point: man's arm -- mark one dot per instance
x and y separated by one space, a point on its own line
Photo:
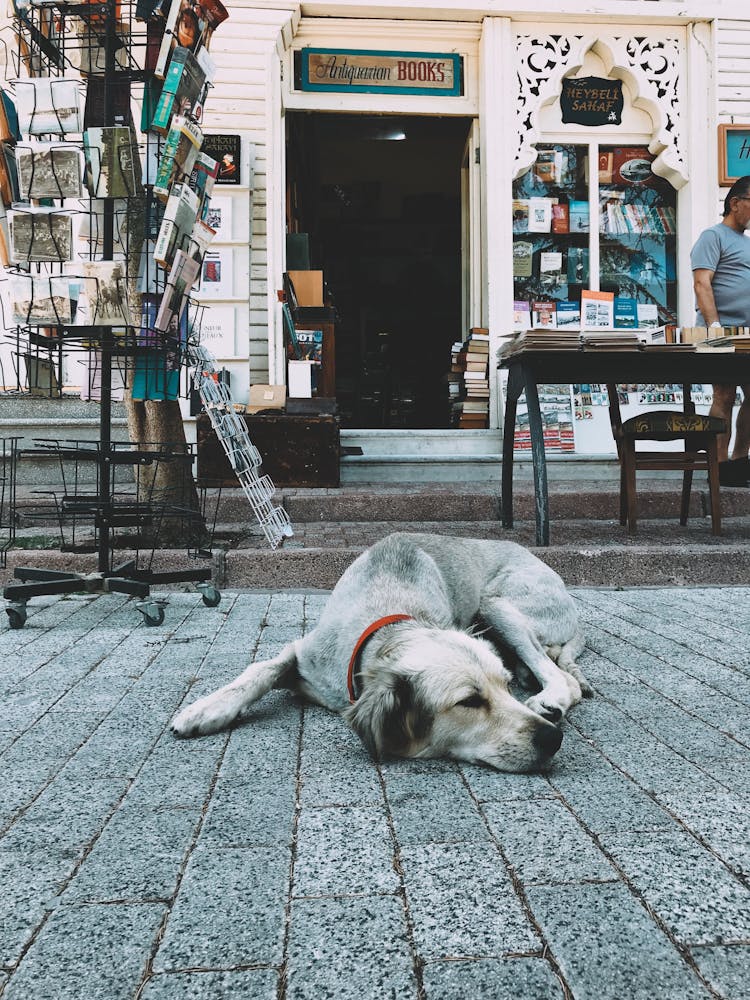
704 295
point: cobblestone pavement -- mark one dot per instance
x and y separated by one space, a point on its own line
279 862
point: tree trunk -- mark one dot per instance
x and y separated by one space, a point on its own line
153 424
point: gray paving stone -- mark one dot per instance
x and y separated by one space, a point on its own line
611 803
171 777
104 947
68 815
607 947
492 979
433 809
229 910
544 843
688 888
30 881
721 818
349 949
489 785
253 984
250 811
343 851
725 968
463 903
138 856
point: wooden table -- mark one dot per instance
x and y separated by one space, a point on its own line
527 369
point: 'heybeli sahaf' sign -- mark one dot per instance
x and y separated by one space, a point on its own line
360 71
591 100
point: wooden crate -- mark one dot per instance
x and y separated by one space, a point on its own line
296 450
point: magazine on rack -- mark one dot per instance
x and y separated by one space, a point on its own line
183 88
181 279
180 152
189 25
50 170
176 226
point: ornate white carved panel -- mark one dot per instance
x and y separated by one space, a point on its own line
653 68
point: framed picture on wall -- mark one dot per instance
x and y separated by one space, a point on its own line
734 153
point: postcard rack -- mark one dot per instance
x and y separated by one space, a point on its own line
118 501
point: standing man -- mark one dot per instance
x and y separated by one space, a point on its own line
721 278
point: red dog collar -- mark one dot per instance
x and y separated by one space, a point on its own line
387 620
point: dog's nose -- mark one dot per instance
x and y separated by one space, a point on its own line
547 738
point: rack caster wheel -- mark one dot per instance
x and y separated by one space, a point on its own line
152 611
210 595
16 615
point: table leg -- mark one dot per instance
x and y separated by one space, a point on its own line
514 389
536 432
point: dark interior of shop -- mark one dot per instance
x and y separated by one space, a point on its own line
380 199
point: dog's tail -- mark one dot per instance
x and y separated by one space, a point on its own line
567 661
218 710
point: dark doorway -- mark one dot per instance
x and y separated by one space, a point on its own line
379 197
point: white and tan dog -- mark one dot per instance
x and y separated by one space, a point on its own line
418 684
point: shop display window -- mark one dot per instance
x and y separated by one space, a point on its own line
610 231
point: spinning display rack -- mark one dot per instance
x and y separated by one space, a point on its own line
118 500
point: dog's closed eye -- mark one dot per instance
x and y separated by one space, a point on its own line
473 701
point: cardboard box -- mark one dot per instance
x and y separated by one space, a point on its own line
308 287
266 397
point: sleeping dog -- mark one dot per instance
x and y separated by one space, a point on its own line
397 652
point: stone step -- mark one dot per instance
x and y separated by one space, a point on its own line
585 553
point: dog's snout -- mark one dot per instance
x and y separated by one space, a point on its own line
547 738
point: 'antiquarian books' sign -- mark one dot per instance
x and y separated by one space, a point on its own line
591 100
361 71
734 153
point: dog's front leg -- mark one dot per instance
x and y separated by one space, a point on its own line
560 690
218 710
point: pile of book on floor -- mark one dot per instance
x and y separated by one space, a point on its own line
471 403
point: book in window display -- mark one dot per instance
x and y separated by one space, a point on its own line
50 170
39 233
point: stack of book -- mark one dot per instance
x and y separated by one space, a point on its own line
472 407
541 340
610 340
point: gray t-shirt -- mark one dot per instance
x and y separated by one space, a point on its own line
727 253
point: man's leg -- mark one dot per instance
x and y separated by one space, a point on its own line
742 427
724 396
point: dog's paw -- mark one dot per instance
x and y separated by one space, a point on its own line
207 715
554 701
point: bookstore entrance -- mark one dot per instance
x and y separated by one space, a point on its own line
374 202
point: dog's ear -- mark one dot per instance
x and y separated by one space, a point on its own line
389 717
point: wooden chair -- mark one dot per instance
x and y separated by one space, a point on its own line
699 453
